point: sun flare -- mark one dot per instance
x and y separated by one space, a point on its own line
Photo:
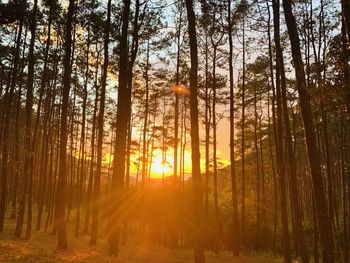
160 168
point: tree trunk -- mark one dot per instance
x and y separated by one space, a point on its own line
207 129
29 159
324 220
235 219
145 121
6 126
257 170
176 107
92 161
295 202
21 191
44 83
279 145
196 173
82 159
97 178
215 162
61 180
345 5
242 227
121 134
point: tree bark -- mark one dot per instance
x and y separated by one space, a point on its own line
29 149
44 83
279 145
345 5
324 220
235 219
93 147
22 189
121 134
145 121
61 180
196 173
243 186
6 126
295 202
100 122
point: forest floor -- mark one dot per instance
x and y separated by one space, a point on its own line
41 248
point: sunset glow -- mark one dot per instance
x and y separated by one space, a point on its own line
162 166
181 90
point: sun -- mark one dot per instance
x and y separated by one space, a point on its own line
160 167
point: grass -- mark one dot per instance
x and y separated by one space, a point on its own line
42 248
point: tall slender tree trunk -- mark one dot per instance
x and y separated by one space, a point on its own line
235 219
134 50
29 159
145 121
272 86
324 220
93 147
121 134
100 122
17 168
42 91
61 180
345 4
176 108
44 165
128 150
207 129
22 192
262 180
81 170
184 140
177 182
71 166
242 226
215 161
280 140
6 126
295 202
196 173
44 84
257 170
345 191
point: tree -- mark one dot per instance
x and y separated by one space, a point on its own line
121 133
279 146
28 176
324 220
235 219
6 120
346 16
197 184
145 120
281 87
97 178
61 181
243 145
